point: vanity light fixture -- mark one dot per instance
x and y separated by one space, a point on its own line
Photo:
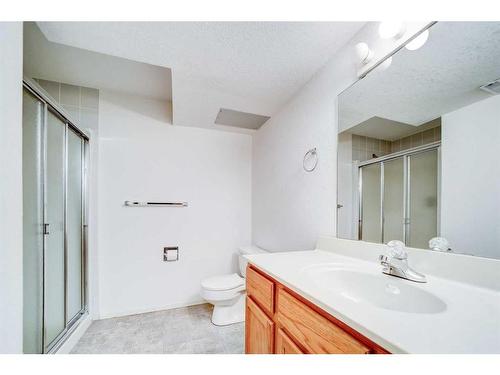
391 29
418 42
364 53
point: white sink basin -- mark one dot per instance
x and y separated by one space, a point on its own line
375 288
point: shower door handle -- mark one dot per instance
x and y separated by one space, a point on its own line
46 228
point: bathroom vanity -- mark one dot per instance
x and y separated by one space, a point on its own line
336 299
280 321
404 176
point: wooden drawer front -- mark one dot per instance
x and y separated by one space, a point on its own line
259 330
313 331
261 289
285 345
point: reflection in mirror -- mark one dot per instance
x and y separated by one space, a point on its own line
417 145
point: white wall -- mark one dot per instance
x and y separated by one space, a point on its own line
143 157
291 207
470 201
11 189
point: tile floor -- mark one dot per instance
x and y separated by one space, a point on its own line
186 330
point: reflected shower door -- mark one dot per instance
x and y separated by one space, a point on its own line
394 200
371 203
54 234
423 198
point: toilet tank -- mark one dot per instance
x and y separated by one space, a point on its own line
246 250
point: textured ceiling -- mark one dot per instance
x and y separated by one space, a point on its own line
57 62
382 128
442 76
248 66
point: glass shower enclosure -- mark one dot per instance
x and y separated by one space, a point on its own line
54 222
399 197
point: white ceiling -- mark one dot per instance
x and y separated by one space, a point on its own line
382 128
252 67
442 76
57 62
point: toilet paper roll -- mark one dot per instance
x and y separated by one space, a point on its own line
171 255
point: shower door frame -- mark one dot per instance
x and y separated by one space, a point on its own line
70 323
405 155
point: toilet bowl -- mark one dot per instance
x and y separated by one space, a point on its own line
227 292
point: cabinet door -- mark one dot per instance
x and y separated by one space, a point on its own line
259 335
261 290
285 345
315 333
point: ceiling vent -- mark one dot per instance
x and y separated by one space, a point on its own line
239 119
492 87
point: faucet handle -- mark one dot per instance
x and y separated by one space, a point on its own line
396 250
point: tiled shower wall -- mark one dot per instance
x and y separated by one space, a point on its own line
363 148
418 139
81 103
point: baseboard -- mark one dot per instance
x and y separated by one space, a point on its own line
118 314
68 345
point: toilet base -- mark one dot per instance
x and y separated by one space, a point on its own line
224 315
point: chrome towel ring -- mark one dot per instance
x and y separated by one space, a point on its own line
310 160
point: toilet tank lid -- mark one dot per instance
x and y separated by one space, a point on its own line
251 249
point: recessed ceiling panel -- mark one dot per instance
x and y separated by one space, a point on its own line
239 119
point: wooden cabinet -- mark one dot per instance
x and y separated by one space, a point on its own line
261 290
259 330
315 332
285 345
280 321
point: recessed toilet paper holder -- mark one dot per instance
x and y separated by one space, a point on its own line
171 253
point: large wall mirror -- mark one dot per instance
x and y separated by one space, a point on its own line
419 144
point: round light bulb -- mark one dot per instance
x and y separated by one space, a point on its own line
388 30
364 53
418 42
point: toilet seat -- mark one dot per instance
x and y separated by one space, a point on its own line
223 290
223 282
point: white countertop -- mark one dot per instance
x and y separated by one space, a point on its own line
469 324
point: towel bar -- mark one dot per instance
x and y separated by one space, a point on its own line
155 204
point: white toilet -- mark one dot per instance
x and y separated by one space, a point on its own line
227 292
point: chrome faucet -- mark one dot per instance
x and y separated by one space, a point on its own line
396 264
